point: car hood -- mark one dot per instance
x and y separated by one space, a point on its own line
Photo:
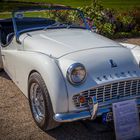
102 62
60 42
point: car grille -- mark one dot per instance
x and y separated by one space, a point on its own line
109 92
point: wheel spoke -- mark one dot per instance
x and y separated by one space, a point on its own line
37 102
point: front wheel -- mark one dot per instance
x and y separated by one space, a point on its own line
40 103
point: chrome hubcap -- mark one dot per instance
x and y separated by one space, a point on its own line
37 102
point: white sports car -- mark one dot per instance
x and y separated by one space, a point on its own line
66 71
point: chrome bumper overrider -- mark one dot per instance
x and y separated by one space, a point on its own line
91 113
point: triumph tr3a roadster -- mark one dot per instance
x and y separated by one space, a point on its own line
67 71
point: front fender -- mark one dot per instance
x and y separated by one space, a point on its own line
135 49
50 72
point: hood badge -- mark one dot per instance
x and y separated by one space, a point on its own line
113 64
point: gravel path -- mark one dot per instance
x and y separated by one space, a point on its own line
16 121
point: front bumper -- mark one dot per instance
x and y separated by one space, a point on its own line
91 113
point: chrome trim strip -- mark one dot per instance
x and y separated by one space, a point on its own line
86 114
69 117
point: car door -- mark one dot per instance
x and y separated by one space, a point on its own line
8 57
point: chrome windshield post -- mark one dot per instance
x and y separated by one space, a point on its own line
15 28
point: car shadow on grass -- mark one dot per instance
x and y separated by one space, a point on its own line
82 130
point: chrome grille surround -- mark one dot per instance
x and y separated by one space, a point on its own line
109 92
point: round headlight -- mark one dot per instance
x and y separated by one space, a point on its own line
76 74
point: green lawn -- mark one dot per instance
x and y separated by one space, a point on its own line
116 4
121 5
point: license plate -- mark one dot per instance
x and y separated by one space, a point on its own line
107 117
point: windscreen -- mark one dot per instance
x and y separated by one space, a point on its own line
46 19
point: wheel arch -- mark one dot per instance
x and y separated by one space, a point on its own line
53 94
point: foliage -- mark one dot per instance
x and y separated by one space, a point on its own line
108 29
109 22
135 13
125 22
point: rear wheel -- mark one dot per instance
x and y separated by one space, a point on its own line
40 103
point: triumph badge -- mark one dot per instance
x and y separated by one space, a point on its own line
113 64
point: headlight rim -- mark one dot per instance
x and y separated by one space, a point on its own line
69 71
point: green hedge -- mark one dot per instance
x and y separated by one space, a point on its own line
112 23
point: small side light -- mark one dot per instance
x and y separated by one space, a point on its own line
82 99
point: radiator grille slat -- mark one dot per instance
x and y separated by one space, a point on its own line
108 92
